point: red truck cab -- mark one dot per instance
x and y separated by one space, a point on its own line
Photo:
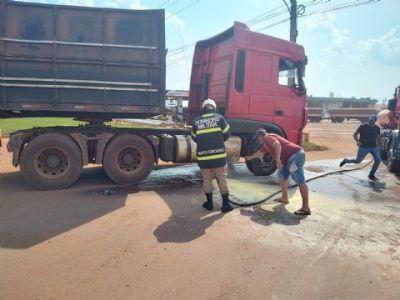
389 121
395 114
256 80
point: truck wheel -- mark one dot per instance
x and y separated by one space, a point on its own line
128 159
383 154
264 167
51 162
394 166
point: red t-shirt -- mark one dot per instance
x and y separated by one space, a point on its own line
288 148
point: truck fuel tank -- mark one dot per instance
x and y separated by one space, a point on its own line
383 118
185 149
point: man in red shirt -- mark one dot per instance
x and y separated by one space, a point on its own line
290 159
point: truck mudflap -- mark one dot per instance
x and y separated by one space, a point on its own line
390 144
394 150
16 143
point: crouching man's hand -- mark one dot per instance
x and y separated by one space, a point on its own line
258 154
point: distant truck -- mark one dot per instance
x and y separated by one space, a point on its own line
314 114
338 115
389 121
96 64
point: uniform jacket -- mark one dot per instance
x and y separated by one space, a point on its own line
210 131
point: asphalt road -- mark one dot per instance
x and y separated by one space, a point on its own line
154 241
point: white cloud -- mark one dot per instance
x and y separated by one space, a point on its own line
339 40
384 50
323 25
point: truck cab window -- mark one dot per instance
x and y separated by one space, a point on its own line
290 73
240 68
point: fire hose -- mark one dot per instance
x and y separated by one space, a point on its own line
296 185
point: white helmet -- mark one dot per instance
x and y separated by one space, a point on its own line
210 102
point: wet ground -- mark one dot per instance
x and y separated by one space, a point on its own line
153 240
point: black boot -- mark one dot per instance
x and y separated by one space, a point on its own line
226 207
209 204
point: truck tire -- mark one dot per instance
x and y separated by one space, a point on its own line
128 159
393 165
264 167
51 162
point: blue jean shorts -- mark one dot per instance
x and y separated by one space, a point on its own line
294 168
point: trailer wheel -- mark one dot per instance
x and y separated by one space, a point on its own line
262 167
51 162
393 165
128 159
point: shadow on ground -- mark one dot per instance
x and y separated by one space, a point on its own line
278 215
29 217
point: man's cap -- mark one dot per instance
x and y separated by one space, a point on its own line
209 102
373 118
261 132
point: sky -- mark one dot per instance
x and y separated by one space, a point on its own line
353 52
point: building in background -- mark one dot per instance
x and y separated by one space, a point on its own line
177 101
329 103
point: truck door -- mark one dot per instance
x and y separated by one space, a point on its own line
262 99
290 98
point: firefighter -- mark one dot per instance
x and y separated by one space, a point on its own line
210 131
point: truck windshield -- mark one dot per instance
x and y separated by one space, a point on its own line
291 74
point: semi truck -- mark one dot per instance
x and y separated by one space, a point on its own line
314 114
338 115
389 121
96 64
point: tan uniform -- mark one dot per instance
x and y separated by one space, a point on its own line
216 173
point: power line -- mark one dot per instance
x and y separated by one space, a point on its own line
273 24
270 14
172 4
184 52
183 9
274 13
335 8
178 53
162 4
267 13
344 6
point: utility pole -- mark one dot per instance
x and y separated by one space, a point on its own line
293 21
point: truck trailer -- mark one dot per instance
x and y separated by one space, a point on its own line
389 121
96 64
338 115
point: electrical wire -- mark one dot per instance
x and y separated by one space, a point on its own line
183 9
172 4
344 6
162 4
335 8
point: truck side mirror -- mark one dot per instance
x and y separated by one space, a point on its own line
392 104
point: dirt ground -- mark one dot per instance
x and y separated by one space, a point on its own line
337 137
97 240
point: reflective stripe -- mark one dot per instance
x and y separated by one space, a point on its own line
192 133
209 130
207 115
216 156
226 129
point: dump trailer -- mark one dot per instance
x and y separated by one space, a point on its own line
389 121
96 64
314 114
338 115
